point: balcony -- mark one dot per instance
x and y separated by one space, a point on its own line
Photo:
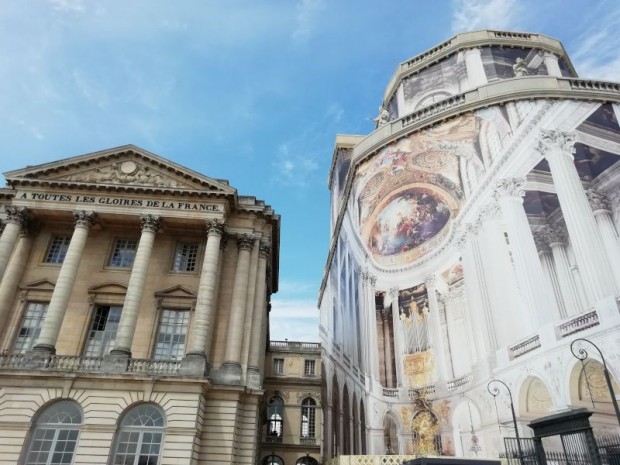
79 364
456 383
524 347
294 346
578 323
307 441
390 392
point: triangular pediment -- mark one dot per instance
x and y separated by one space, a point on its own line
108 288
39 285
176 291
128 167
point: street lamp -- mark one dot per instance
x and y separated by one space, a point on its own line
494 391
582 354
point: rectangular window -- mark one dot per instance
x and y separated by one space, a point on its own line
185 257
32 322
124 253
172 334
57 249
309 368
103 331
278 366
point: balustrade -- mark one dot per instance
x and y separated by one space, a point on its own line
578 323
523 347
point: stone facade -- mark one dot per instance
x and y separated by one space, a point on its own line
474 236
293 404
134 293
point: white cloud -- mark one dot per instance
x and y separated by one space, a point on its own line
294 169
306 19
294 319
596 53
68 6
471 15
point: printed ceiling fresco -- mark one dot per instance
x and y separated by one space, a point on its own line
408 194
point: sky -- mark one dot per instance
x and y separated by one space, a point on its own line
253 91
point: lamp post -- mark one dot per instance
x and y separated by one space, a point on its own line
582 354
494 391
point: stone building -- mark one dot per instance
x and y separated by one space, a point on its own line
134 308
293 417
474 235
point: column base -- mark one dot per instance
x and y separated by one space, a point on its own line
254 378
115 362
38 359
194 365
229 373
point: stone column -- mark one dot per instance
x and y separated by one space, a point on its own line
196 360
230 371
371 318
546 259
552 64
435 324
530 275
602 214
382 373
475 68
249 304
556 237
135 288
46 343
557 148
15 217
258 317
14 272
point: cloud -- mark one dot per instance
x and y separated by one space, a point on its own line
294 169
471 15
68 6
306 19
596 53
294 319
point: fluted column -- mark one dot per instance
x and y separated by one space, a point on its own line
556 237
64 283
14 272
249 304
530 275
258 317
135 288
371 319
388 346
602 214
557 148
15 217
475 68
380 348
546 259
435 323
196 360
231 368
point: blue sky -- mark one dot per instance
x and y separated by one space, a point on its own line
251 91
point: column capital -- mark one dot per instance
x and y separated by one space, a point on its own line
30 227
541 239
554 234
467 232
510 187
490 210
264 250
372 280
150 223
552 141
430 281
84 219
394 292
215 227
597 200
16 215
245 242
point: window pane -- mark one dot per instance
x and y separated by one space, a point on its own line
172 333
124 253
103 331
309 368
32 322
57 249
185 257
140 436
278 366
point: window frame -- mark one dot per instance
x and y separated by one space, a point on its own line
308 405
196 257
275 419
113 252
57 428
309 363
278 366
66 241
20 327
106 345
122 428
188 318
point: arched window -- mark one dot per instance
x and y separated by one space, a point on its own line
55 434
139 436
308 415
307 460
273 460
275 414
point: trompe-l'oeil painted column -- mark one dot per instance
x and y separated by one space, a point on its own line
15 218
135 288
435 323
602 214
196 361
557 148
64 283
230 371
